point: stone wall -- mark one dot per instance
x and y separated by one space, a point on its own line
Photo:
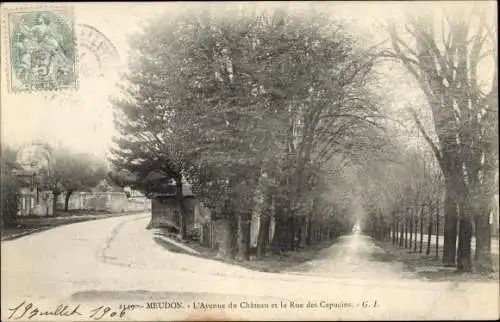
166 212
105 201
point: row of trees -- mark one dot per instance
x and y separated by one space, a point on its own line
70 172
410 212
447 55
255 109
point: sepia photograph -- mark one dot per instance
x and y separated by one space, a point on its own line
249 161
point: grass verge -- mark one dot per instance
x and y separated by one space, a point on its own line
429 267
271 263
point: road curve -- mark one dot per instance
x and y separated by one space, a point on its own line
116 261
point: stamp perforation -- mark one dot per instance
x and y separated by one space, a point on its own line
69 14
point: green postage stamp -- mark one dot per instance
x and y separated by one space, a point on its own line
41 48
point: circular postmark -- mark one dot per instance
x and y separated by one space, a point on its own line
43 50
97 58
98 55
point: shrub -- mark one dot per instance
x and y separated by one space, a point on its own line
9 197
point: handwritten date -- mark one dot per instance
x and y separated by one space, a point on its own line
30 311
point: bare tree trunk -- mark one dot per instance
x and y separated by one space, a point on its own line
279 238
182 207
394 232
411 231
243 236
401 233
494 225
300 233
464 262
483 242
416 232
406 231
224 237
437 229
398 226
421 230
309 231
263 238
429 231
55 195
66 199
450 227
291 233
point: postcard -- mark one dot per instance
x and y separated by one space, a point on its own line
190 161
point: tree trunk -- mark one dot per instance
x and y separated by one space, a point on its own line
464 261
66 199
398 226
182 207
309 232
416 232
411 232
55 195
438 208
450 228
429 232
483 242
421 230
243 236
233 224
299 232
263 238
291 233
279 233
406 232
224 237
494 225
394 232
401 234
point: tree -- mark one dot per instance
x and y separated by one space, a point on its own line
9 186
74 172
226 99
444 56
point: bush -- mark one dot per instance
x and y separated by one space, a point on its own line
9 197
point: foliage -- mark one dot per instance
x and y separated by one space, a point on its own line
74 172
77 171
9 186
226 99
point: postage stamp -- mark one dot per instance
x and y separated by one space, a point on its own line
41 48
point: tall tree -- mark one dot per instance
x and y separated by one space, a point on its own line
225 98
444 56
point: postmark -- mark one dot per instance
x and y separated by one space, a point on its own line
97 54
41 48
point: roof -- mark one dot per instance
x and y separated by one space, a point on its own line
155 175
163 185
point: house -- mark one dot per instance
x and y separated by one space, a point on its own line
166 208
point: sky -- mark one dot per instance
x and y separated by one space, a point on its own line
82 120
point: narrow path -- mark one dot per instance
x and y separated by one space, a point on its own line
356 256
